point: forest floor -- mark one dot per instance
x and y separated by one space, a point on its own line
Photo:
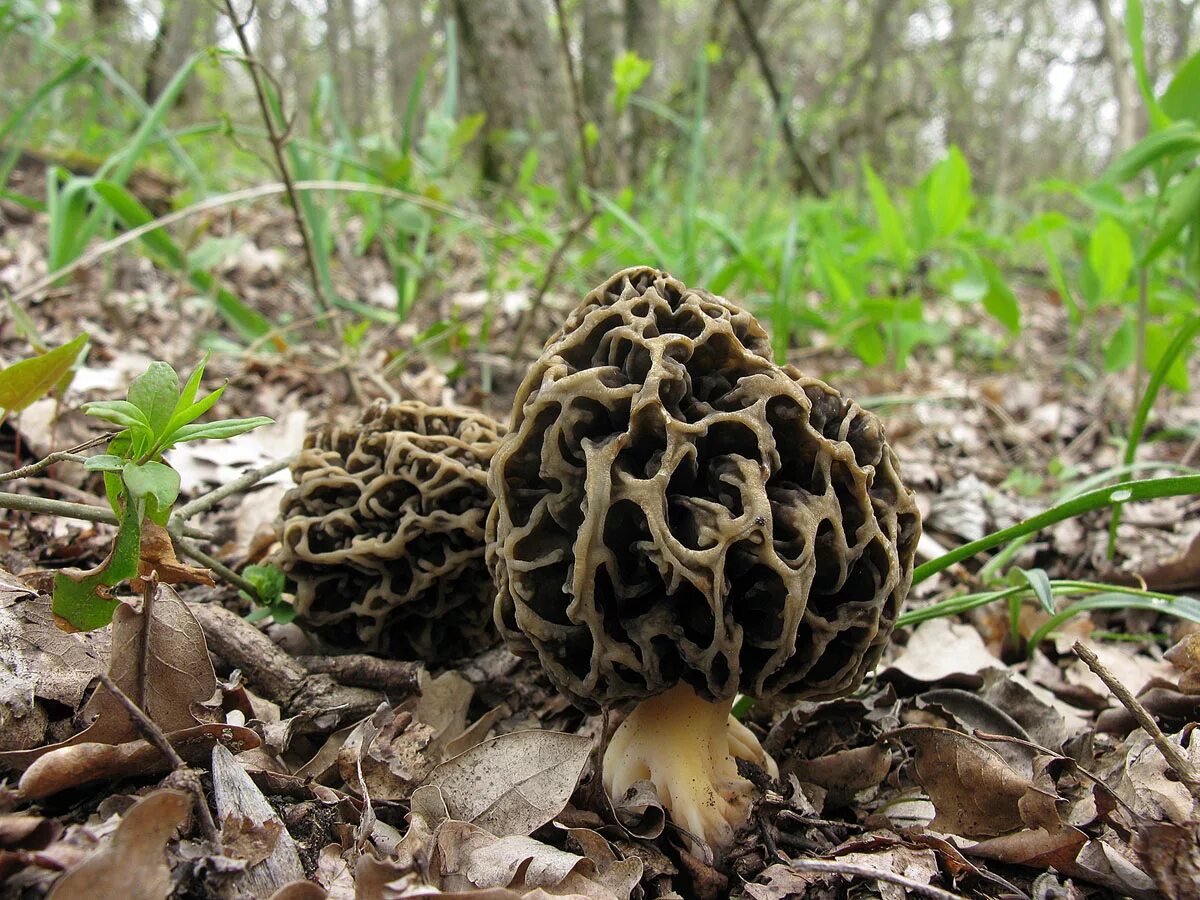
965 767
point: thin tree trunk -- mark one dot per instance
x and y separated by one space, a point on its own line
180 32
1183 14
1013 106
880 41
515 65
1122 78
643 35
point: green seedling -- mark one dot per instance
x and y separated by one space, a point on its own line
156 415
268 582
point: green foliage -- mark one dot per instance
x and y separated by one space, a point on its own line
629 72
268 584
29 380
157 414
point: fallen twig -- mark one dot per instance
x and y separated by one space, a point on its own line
149 730
1175 759
363 670
834 867
275 674
85 512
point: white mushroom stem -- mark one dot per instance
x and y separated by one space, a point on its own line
686 746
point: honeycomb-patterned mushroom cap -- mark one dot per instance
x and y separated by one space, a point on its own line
672 505
383 532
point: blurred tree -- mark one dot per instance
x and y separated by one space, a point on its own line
183 28
515 68
1122 77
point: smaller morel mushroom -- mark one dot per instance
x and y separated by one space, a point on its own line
678 519
383 532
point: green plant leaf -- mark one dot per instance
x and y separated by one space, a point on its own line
222 428
189 414
187 396
1122 346
1178 138
1110 254
1181 100
105 462
1134 22
248 323
1000 302
1183 208
1107 496
948 196
1039 582
29 380
155 392
1186 608
157 484
119 412
868 344
888 218
82 600
1158 344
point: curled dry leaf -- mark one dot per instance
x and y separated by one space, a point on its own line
68 767
158 557
783 883
975 792
133 864
244 838
514 783
639 811
1149 785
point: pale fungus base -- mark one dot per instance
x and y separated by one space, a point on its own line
687 747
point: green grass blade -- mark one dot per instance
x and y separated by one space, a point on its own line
248 323
1181 607
1137 427
1098 499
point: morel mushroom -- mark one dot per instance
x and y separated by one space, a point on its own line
383 533
678 519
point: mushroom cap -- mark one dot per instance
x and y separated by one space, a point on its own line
383 532
672 505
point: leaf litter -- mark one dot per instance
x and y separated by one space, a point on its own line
965 767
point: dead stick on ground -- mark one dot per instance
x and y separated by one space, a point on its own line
834 867
1170 751
274 673
363 670
149 730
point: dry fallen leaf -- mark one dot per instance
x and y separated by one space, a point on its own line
466 856
38 661
177 673
975 792
132 865
943 651
1170 854
66 767
158 557
515 783
1185 656
782 882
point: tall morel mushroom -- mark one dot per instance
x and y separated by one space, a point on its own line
383 533
678 519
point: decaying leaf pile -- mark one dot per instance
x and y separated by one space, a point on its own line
962 768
